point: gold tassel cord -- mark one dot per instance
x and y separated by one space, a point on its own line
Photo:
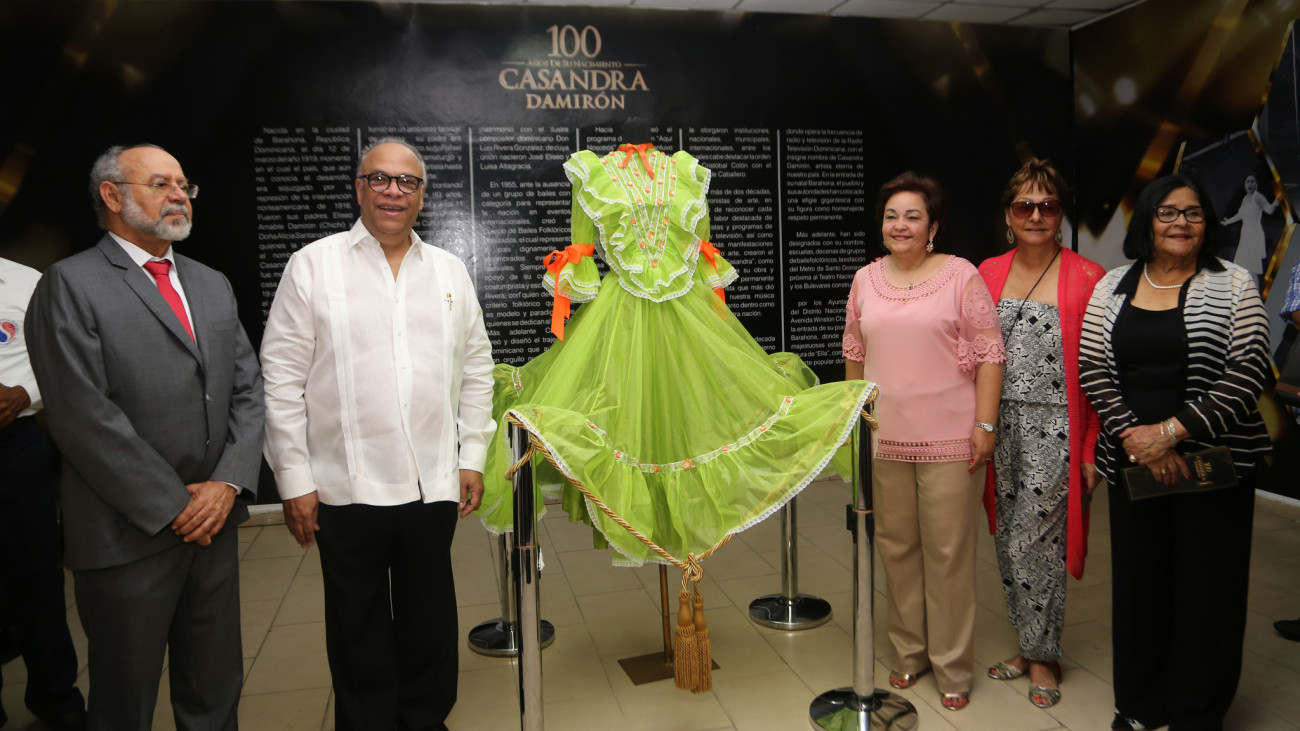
685 655
693 655
703 648
690 673
529 454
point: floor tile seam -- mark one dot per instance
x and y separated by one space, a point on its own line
245 693
325 713
279 608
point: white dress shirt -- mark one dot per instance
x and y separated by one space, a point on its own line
140 257
16 285
378 390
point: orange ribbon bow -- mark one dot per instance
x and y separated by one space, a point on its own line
641 150
710 252
555 263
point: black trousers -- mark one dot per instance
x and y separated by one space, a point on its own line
31 572
1180 571
390 614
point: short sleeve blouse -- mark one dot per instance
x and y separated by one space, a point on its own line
921 345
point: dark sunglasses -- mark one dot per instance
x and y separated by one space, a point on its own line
1049 208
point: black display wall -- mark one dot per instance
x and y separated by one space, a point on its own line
801 118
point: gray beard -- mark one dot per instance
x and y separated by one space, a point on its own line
134 217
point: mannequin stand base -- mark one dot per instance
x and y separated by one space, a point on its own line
844 710
498 638
790 614
644 669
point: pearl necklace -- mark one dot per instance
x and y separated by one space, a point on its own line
1159 286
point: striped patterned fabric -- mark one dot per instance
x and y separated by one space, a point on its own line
1228 364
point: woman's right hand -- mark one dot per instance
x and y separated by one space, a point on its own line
1168 467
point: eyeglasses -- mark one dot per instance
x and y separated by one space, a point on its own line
163 187
1049 208
379 182
1169 214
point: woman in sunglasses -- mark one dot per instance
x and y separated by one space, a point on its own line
1174 357
1042 473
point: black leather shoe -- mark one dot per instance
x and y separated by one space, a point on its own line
64 720
1125 723
1288 628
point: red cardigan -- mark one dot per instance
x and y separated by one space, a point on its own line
1074 288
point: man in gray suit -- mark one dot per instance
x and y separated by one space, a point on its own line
154 397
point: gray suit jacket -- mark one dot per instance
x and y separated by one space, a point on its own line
138 409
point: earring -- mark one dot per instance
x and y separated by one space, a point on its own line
1011 238
929 246
1059 237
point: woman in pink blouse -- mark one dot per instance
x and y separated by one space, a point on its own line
923 326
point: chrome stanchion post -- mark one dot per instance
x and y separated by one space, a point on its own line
500 637
789 610
524 564
862 707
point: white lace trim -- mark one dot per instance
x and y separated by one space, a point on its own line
869 394
610 244
576 292
692 462
720 281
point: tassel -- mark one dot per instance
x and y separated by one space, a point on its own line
704 649
685 652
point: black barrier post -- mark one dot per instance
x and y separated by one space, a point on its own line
862 707
524 564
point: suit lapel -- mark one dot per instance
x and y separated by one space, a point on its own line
139 282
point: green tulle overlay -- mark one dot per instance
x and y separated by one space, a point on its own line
671 417
657 408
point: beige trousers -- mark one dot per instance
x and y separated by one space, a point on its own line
926 521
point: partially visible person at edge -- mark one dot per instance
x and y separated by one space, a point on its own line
922 325
31 570
379 411
1042 474
1290 628
1174 357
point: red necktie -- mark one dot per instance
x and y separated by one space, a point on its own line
159 270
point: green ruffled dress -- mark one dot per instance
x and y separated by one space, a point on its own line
657 401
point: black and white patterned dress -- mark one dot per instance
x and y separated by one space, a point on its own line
1032 458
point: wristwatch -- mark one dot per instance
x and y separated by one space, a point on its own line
986 427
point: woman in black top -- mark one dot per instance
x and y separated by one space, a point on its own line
1174 356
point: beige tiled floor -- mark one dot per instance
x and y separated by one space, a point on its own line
767 678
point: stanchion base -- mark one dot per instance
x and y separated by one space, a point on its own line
650 668
497 638
789 614
844 710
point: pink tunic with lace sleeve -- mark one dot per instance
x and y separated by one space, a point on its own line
921 346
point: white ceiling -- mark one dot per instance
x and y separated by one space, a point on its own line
1057 13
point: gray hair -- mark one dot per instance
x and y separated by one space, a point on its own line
108 168
424 173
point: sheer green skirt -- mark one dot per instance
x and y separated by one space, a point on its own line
669 418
